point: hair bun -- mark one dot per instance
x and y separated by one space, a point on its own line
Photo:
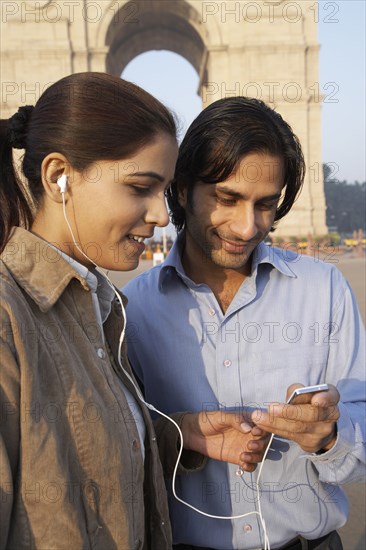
18 126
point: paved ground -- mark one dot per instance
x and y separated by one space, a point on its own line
354 269
354 532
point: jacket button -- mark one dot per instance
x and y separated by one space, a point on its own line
135 445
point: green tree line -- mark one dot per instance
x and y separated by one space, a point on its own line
346 203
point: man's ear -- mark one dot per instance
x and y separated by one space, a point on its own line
182 195
54 165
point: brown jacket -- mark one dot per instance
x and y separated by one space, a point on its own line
71 471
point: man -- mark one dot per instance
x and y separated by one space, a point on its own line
228 322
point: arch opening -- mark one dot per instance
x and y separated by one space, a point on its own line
156 72
157 25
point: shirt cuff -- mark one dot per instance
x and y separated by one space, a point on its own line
344 443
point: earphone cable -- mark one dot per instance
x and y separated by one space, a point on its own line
151 407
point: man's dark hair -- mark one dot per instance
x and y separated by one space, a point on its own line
221 136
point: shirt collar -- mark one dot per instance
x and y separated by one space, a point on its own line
38 268
173 262
263 254
278 258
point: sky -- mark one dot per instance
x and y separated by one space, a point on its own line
341 34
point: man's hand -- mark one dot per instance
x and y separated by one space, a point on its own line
310 420
225 436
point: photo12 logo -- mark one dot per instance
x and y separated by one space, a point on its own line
271 92
270 11
51 11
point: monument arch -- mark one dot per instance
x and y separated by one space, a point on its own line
155 26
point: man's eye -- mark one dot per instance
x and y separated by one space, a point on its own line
226 202
266 205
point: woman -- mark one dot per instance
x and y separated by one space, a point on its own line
79 463
74 445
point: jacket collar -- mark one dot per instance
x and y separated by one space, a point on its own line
38 268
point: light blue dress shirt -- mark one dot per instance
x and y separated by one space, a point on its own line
294 319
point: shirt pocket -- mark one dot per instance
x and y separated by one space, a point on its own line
276 370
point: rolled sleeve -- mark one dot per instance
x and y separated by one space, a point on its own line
169 442
346 456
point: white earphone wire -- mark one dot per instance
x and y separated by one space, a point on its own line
151 407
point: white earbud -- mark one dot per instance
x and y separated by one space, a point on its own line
62 183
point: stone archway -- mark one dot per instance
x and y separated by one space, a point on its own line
156 26
266 49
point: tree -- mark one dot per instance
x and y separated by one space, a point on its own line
346 203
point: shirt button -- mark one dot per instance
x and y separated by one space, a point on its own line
227 363
211 312
135 445
247 528
101 353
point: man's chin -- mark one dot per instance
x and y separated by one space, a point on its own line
228 260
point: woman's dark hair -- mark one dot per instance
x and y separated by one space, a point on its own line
87 117
221 136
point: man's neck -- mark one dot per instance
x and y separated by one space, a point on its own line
223 282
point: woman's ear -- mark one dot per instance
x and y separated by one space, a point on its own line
54 166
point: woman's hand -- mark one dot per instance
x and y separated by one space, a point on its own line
225 436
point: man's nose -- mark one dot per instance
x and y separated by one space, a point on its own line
243 224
